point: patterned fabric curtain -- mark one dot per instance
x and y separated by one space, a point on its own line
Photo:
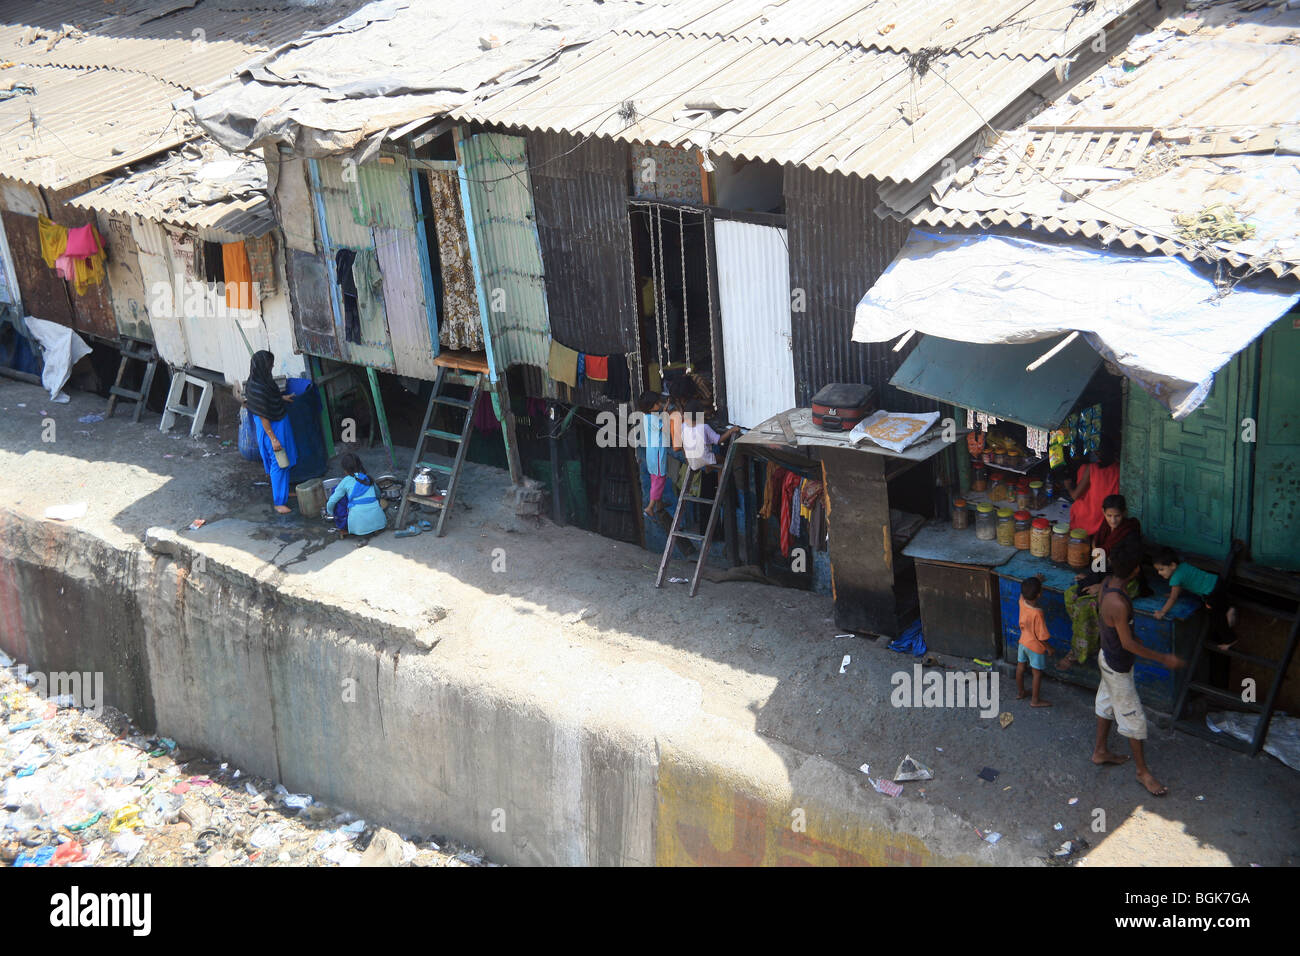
462 327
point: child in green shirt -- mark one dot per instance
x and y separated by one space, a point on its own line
1183 576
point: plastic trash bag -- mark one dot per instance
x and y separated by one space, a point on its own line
912 641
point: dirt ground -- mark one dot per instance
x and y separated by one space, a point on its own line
759 657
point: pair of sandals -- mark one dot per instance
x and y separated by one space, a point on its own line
414 528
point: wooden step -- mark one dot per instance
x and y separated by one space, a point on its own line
1224 696
458 402
445 436
435 466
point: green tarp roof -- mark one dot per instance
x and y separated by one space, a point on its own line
992 378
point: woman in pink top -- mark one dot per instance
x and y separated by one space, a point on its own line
1095 483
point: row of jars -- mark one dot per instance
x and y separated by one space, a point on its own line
1025 494
1023 531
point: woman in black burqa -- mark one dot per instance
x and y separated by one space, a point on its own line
263 399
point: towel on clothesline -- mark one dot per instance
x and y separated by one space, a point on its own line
562 366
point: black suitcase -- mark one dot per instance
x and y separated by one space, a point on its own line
840 406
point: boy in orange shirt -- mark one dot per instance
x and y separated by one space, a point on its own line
1034 649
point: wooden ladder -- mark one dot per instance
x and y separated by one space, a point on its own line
182 381
1279 667
133 350
701 541
458 374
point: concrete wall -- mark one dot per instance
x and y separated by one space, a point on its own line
364 715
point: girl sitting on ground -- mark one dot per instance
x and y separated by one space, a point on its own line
355 502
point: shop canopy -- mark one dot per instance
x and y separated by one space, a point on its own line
992 378
1159 319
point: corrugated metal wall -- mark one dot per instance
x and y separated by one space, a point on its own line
509 254
838 249
195 328
582 224
754 293
125 283
93 309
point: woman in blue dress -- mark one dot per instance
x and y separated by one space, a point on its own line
355 502
263 398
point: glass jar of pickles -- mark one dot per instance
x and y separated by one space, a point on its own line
960 516
998 489
1006 527
1022 519
1077 550
1037 499
1040 538
985 522
1060 543
979 478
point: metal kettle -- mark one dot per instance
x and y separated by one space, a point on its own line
424 484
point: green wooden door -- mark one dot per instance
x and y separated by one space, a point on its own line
1276 516
1182 477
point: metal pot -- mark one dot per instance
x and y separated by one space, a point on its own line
423 485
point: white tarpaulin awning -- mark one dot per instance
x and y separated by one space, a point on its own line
1158 318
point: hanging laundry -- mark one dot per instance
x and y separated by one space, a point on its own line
795 511
598 368
619 384
343 260
239 277
208 261
261 264
89 271
789 483
485 416
65 267
562 366
771 490
54 239
582 368
83 241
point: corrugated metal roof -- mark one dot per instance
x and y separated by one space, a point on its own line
392 63
865 113
1007 28
1213 93
88 87
199 185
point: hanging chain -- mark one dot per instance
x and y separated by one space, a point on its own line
686 317
665 349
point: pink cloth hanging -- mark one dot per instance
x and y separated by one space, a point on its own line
82 242
66 268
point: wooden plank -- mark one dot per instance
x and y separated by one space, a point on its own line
858 515
468 361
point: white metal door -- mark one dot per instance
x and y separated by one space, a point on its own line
754 298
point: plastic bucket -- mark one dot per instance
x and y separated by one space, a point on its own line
311 497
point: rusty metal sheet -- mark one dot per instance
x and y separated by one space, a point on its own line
93 309
125 281
44 294
313 309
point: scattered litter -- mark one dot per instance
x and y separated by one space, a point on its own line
844 663
1005 719
865 768
843 635
1005 789
196 524
70 852
679 580
129 844
989 774
983 663
887 787
252 790
66 512
173 456
39 857
992 837
1073 801
911 641
1058 826
1200 797
265 837
91 419
940 749
126 818
910 769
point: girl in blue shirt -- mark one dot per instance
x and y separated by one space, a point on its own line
355 502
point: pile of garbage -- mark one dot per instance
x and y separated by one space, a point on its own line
78 789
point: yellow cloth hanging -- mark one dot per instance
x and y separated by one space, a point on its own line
89 271
54 239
